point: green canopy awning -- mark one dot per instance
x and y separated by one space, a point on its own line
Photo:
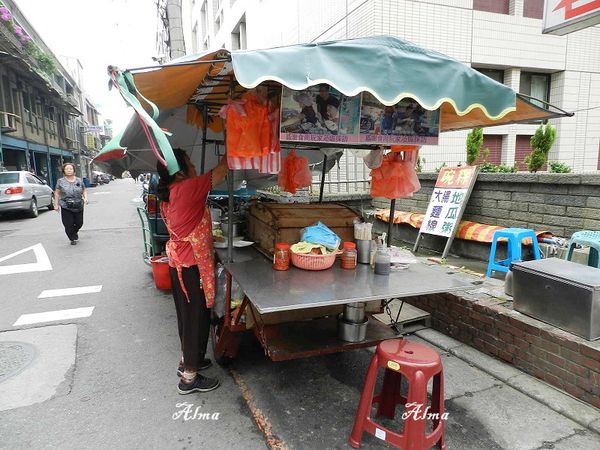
389 68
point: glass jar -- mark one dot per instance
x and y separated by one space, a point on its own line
281 257
382 261
349 255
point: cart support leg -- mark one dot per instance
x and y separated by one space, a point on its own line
204 125
323 172
391 222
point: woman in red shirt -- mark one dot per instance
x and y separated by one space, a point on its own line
183 207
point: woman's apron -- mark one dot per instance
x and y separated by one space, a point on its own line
202 246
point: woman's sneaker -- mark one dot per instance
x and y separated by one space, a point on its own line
200 384
205 364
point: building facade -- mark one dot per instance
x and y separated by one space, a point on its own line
42 104
500 38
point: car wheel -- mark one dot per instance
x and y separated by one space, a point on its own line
33 209
51 206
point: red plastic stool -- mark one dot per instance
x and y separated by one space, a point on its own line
417 363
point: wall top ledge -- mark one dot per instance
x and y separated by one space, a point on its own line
525 177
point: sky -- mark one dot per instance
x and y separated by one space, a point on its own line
99 33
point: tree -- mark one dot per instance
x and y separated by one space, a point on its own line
474 142
541 143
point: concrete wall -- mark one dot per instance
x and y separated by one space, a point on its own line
559 203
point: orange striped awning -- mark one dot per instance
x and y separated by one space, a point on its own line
470 231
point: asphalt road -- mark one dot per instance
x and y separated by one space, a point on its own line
120 390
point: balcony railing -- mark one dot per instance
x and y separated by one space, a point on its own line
8 122
51 128
70 134
72 101
10 37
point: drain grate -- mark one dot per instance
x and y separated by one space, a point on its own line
14 358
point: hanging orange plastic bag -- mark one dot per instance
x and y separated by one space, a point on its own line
248 127
395 178
294 173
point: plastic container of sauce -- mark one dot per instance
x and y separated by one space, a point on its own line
349 255
281 257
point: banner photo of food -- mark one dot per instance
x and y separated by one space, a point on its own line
321 114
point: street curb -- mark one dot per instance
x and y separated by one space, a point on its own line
561 402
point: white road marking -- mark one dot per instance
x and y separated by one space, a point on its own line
102 193
70 291
53 316
137 200
42 264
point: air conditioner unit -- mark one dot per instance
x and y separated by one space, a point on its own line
8 122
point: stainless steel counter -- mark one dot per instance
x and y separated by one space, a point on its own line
270 290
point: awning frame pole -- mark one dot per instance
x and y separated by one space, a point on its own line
230 203
323 173
204 123
391 222
191 63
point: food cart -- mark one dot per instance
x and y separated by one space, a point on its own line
294 313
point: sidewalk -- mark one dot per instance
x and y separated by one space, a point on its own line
310 403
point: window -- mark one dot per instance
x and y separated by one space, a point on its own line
534 9
494 6
27 108
523 148
218 22
204 20
493 143
7 105
32 180
494 74
536 85
9 178
195 38
238 35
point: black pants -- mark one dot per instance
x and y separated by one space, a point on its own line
72 220
193 318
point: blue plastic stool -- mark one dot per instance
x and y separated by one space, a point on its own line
592 240
515 237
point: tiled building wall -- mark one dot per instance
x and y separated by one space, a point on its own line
506 41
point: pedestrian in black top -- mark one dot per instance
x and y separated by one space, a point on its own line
69 197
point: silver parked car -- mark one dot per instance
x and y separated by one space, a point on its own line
24 191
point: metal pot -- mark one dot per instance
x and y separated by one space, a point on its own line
237 227
354 312
352 332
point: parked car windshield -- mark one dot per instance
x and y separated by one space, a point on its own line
7 178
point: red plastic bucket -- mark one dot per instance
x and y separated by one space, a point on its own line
160 272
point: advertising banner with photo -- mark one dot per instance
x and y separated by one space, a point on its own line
321 114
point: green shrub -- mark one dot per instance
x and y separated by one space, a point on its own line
541 143
558 167
487 167
474 141
420 163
